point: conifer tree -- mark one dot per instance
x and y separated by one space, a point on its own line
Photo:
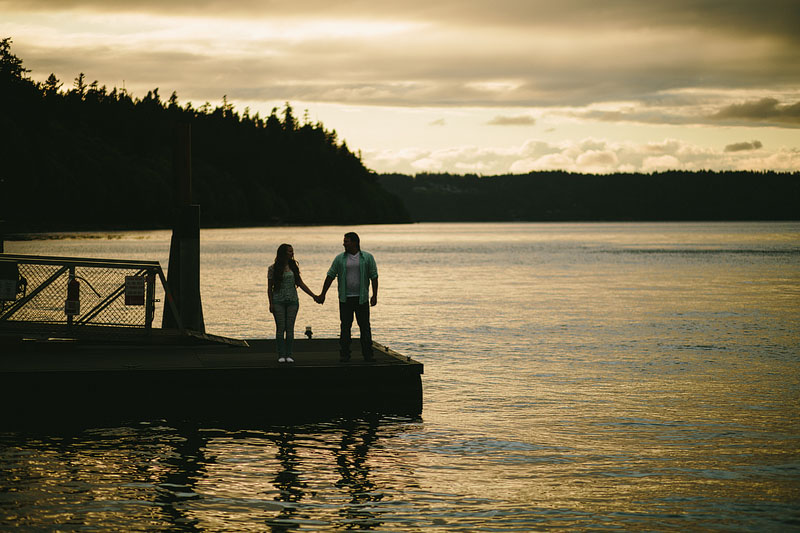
52 84
79 85
10 65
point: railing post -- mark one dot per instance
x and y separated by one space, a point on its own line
70 279
150 299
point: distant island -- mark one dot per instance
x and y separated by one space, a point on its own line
563 196
90 158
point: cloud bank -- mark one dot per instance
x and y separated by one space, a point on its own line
586 156
765 110
521 120
743 146
414 53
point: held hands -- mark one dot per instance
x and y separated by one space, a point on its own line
320 299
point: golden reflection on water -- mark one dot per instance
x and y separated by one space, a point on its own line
637 376
287 479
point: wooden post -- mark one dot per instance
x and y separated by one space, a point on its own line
150 299
189 303
183 276
182 164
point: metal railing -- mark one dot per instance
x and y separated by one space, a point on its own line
78 296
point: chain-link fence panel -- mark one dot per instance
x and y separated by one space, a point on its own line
76 293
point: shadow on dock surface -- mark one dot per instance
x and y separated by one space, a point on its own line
72 380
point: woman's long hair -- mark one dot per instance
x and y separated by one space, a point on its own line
282 260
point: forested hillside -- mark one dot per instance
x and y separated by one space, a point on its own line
90 157
544 196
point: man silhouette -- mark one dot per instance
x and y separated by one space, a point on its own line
355 270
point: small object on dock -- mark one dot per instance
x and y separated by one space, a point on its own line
308 332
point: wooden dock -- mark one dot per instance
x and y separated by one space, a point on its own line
69 354
209 380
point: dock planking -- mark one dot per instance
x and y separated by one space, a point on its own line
67 378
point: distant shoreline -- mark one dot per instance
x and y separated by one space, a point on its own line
114 234
558 196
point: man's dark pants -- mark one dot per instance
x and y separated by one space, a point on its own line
346 312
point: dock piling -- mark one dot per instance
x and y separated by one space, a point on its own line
183 276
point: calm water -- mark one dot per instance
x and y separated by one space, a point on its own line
577 376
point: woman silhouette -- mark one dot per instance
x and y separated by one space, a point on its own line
283 278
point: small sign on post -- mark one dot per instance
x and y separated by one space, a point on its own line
134 290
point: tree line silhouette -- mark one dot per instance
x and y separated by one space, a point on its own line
89 157
564 196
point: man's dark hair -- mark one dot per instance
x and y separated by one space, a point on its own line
353 236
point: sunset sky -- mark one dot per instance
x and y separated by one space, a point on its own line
464 86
